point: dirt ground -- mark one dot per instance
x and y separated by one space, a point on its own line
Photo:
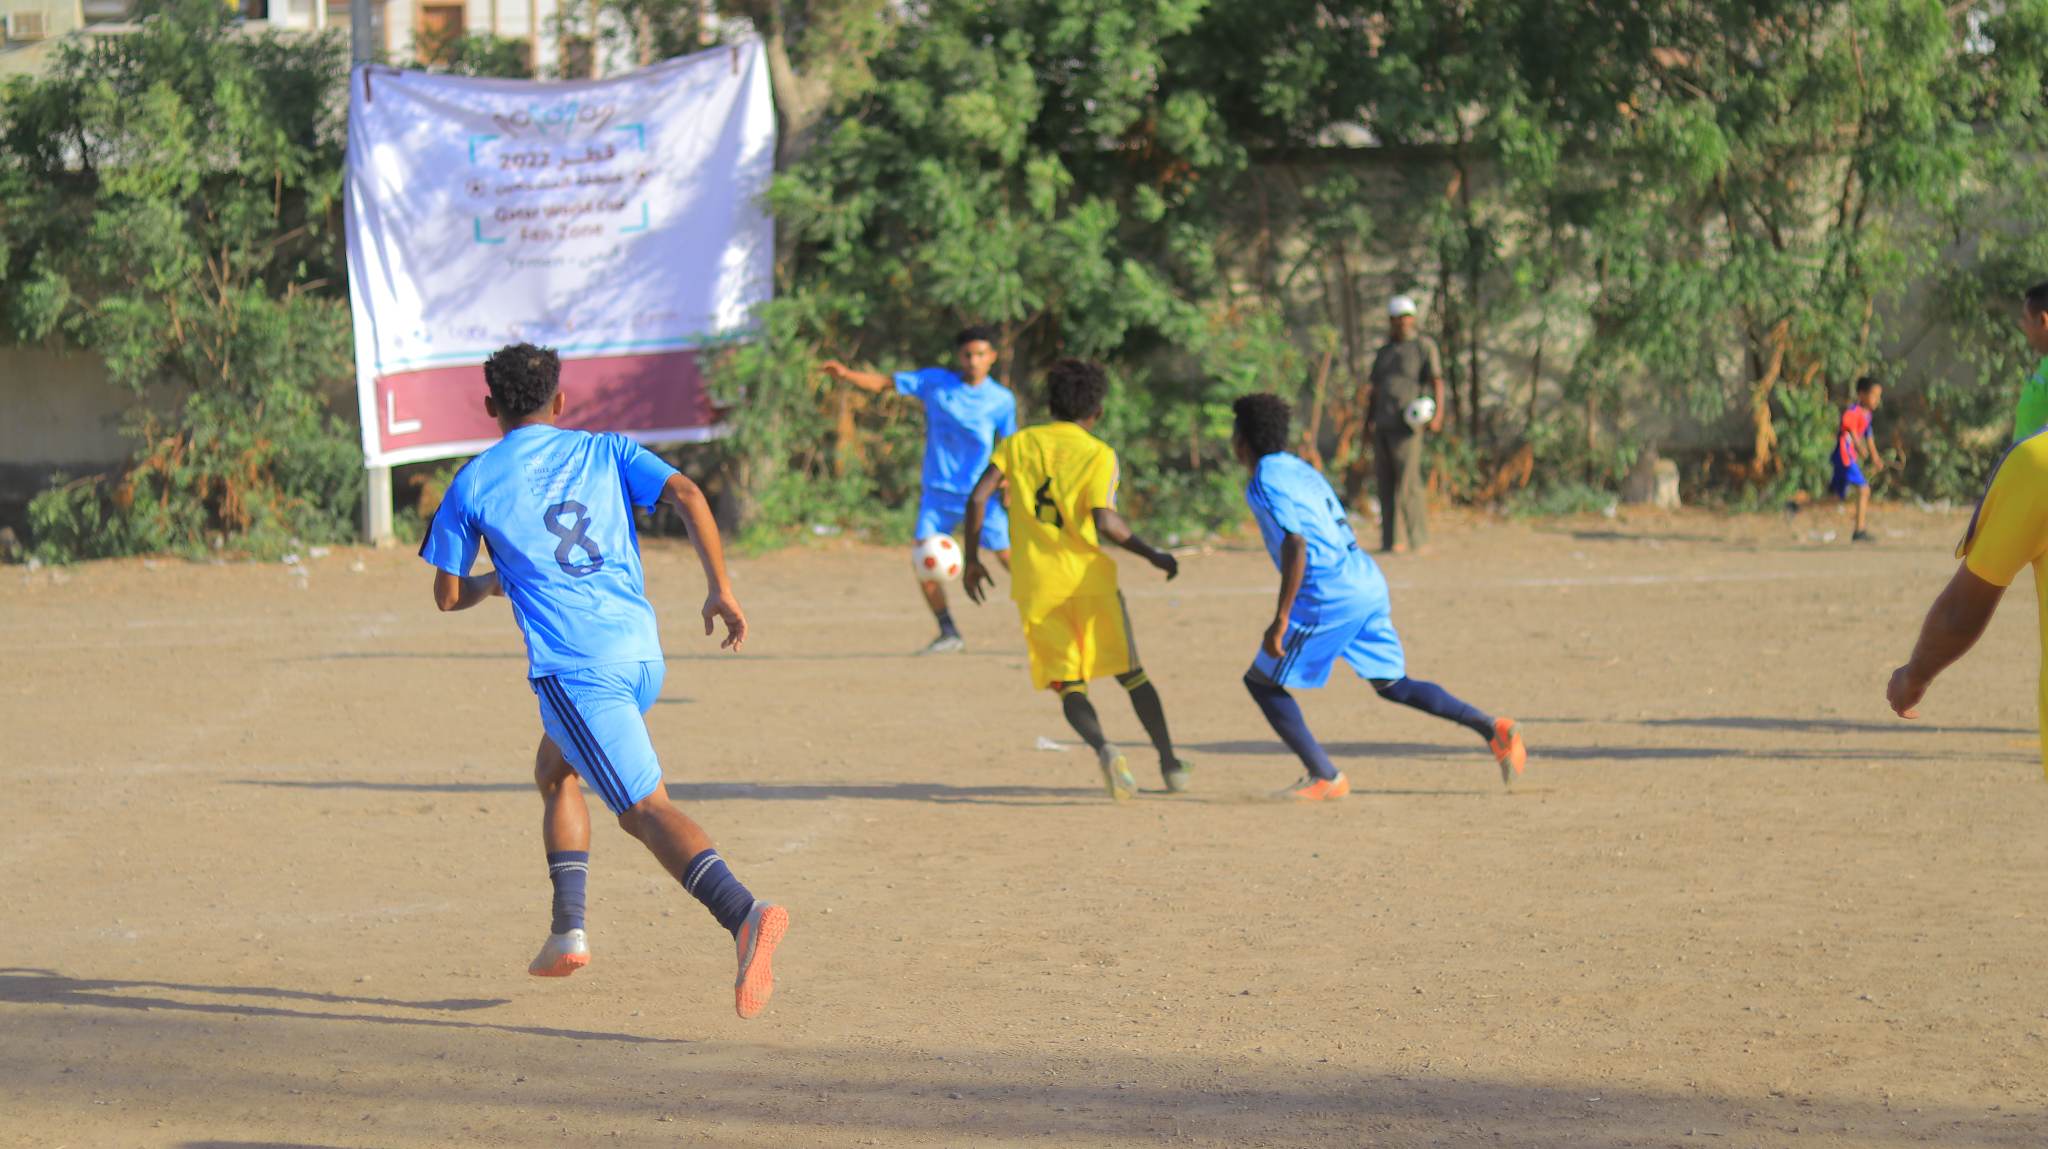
272 871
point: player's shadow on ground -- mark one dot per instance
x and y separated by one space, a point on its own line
254 1145
1546 751
47 987
1825 725
933 792
749 655
951 1096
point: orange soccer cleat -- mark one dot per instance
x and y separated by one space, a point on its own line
1508 750
1313 789
756 940
562 955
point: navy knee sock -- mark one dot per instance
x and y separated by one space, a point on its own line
568 870
710 880
1285 715
1430 698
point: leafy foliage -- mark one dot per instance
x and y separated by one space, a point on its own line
1691 218
171 203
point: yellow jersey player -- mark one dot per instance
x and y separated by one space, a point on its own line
1062 503
2008 534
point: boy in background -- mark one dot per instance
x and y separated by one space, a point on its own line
1854 446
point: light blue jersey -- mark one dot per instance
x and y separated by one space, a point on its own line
555 508
962 425
1289 497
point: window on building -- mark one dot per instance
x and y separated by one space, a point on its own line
579 61
440 26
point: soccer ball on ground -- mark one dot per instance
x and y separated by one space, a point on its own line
936 559
1420 412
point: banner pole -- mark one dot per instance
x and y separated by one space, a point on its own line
377 483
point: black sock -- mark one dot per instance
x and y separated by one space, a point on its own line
1284 713
1081 715
1430 698
1151 712
946 627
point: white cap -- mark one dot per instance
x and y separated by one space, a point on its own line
1400 305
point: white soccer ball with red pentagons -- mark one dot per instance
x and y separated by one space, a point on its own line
936 559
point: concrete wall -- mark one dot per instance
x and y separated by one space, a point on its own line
63 416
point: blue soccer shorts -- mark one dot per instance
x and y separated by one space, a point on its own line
1848 476
596 717
940 512
1312 647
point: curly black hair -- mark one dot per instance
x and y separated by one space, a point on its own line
1262 422
2037 297
1074 389
1864 384
973 333
522 378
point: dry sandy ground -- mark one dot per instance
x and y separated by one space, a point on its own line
272 871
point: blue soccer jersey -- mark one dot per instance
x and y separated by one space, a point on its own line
962 425
555 508
1289 497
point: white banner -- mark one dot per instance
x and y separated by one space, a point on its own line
618 221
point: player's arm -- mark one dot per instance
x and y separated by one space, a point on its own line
873 382
1293 572
1954 624
720 605
460 592
1110 525
1868 444
973 576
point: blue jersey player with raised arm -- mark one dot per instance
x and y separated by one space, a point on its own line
554 508
1333 604
966 413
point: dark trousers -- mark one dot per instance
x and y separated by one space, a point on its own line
1397 464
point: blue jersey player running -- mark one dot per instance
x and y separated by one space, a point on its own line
966 413
1333 604
555 510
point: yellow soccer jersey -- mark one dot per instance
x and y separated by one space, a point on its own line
1058 474
2010 532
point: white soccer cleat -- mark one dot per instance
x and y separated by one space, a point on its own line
1116 772
563 955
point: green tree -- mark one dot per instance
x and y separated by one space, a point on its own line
169 200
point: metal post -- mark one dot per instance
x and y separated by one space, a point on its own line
377 488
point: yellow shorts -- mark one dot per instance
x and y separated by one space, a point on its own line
1080 639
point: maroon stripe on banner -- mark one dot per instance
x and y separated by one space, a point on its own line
658 392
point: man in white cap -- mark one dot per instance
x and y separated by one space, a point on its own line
1406 363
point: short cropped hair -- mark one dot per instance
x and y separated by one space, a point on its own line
1074 389
1864 384
975 333
522 378
1262 422
2037 297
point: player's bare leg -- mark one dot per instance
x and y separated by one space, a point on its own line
685 851
565 831
565 820
1862 515
949 640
